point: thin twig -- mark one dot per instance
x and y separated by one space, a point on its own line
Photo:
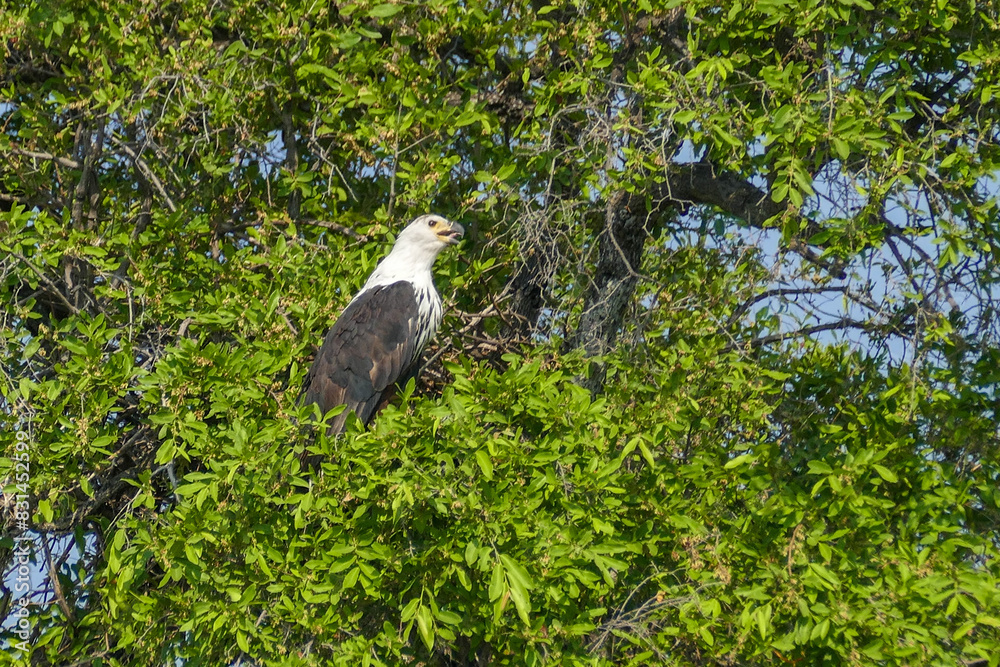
147 172
326 224
45 279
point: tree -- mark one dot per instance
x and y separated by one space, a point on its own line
718 383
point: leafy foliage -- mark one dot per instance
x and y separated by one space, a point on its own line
717 386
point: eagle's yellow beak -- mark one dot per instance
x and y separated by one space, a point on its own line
450 232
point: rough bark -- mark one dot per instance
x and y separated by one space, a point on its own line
615 278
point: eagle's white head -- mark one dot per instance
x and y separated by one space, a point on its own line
415 250
430 233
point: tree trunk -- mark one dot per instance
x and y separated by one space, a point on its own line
615 278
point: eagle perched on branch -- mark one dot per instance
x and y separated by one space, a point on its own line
377 340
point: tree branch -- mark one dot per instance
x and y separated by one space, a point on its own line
789 291
36 155
701 183
333 226
843 323
619 256
53 288
146 172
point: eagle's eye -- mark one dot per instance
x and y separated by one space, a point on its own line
432 223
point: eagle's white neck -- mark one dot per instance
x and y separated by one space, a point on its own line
412 263
407 261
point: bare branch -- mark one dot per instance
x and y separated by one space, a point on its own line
893 231
789 291
333 226
53 288
56 586
146 172
61 161
841 324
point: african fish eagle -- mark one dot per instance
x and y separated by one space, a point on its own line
377 340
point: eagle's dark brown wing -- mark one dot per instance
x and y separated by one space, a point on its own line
369 348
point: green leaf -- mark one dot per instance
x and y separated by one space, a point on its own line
485 463
497 579
425 626
520 583
384 10
742 459
410 610
885 473
819 468
841 148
